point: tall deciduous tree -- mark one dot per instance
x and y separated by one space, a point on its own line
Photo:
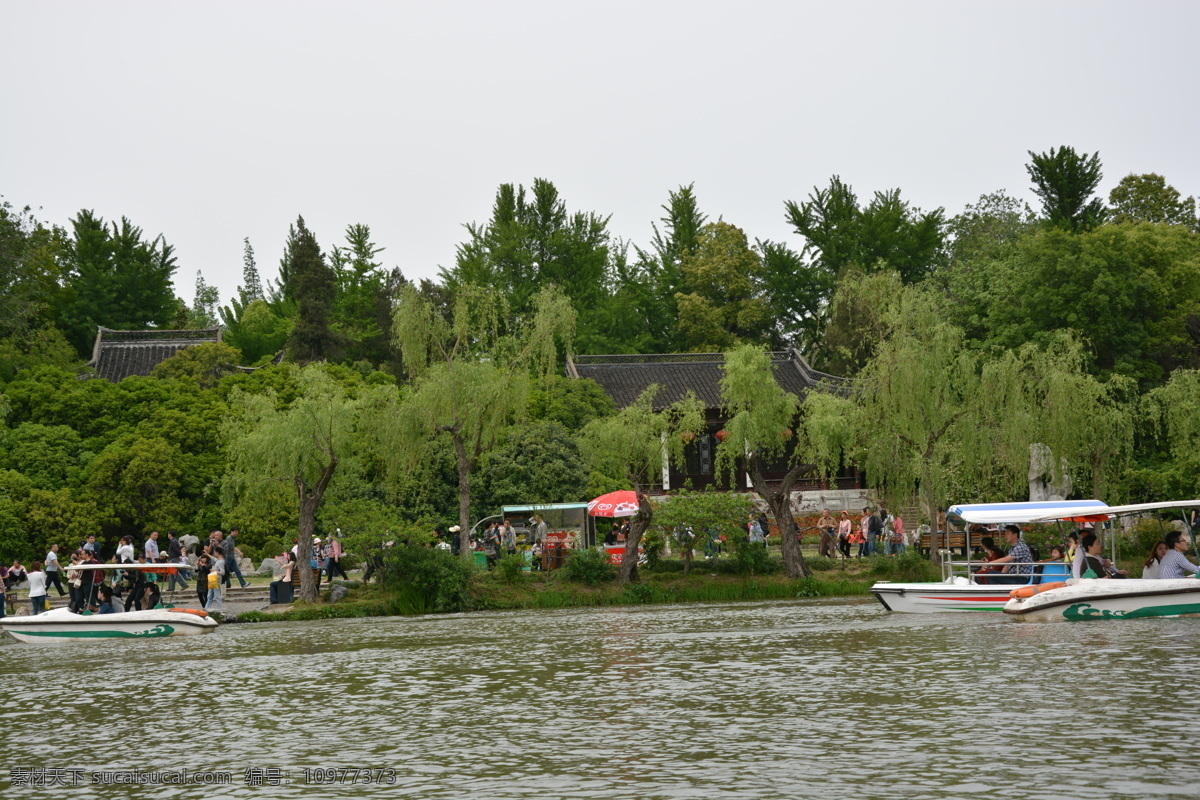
763 420
204 305
1065 181
721 301
299 445
1149 198
631 447
251 288
115 278
530 242
469 382
888 231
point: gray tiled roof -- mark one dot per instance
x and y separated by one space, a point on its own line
624 378
119 354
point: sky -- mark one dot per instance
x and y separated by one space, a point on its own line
216 121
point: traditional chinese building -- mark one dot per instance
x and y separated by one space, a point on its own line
625 377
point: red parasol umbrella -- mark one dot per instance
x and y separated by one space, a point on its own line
614 504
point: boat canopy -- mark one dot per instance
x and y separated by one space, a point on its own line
1015 513
1116 511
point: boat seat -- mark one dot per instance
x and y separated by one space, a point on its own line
1052 573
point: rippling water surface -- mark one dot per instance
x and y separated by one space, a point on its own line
804 699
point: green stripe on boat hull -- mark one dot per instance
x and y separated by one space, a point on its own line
1085 611
158 630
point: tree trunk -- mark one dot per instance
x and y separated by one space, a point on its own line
464 500
308 523
641 521
794 565
930 504
310 501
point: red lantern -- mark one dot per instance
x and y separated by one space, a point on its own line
687 437
722 435
786 433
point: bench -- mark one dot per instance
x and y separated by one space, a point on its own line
954 540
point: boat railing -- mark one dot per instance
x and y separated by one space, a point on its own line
971 570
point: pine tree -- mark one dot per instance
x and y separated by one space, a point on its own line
251 289
314 286
1065 182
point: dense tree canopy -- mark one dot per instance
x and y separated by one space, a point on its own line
973 337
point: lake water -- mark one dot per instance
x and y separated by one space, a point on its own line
802 699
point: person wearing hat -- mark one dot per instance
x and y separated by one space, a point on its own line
456 542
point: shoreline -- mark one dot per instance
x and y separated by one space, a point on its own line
547 591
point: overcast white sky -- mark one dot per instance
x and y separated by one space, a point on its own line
209 122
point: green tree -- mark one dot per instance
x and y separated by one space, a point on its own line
115 278
630 448
362 311
137 483
536 463
721 301
50 456
205 304
1065 181
706 515
887 231
1148 198
1131 291
204 364
251 288
762 420
255 329
469 383
531 242
313 285
299 445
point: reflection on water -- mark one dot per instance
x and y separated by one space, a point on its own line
804 699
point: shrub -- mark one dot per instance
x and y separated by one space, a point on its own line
272 547
588 565
435 580
510 568
652 545
821 563
910 567
752 558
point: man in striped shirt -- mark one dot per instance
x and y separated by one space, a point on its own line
1175 564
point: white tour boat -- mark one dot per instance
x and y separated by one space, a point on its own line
964 592
1089 598
62 624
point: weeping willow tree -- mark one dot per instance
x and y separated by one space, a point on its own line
1042 397
930 412
299 445
761 421
1172 412
470 377
632 446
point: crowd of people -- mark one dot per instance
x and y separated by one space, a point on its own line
876 532
112 589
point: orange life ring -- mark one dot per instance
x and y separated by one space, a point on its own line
195 611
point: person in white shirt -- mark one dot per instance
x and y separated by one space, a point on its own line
37 588
1151 567
52 577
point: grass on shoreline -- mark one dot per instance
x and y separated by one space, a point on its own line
489 592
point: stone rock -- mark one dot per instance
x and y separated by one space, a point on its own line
270 567
188 542
337 593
